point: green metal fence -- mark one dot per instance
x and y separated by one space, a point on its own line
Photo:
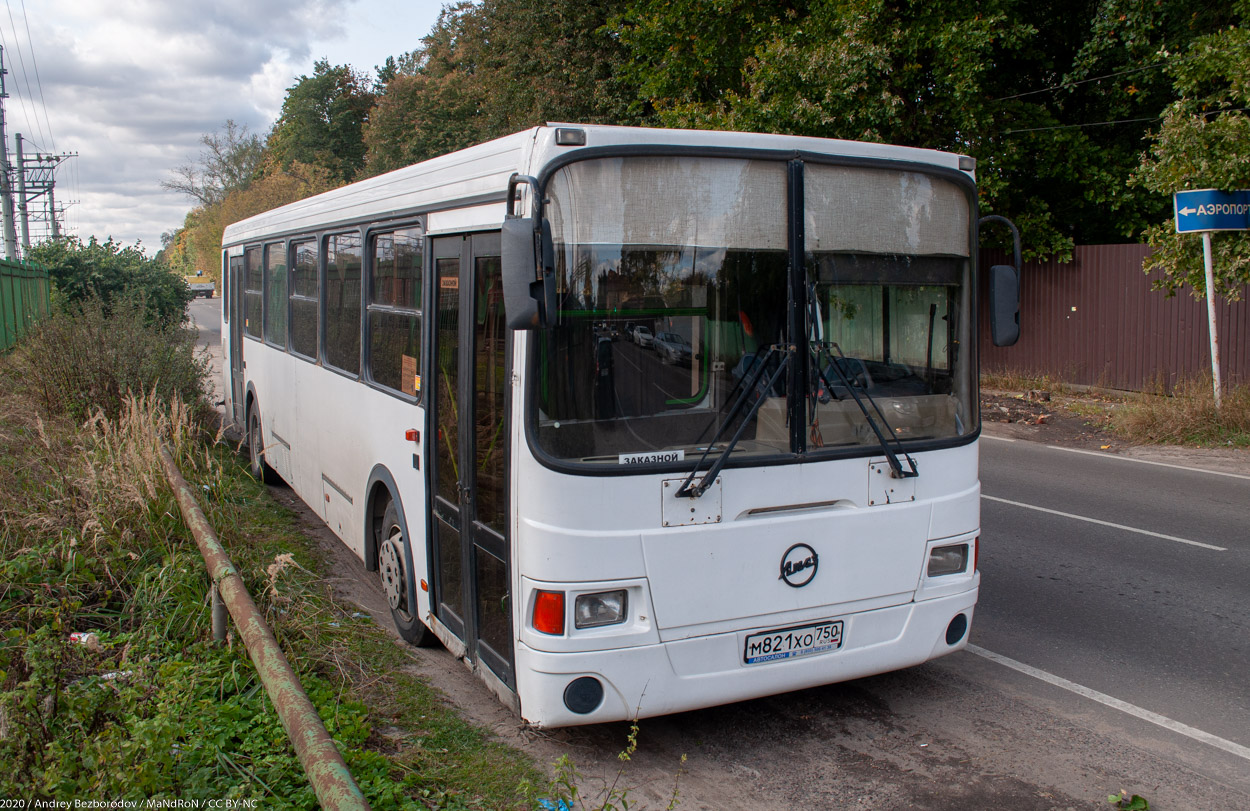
25 293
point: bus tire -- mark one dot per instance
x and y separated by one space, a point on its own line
393 574
260 469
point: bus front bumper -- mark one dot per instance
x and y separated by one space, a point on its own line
707 671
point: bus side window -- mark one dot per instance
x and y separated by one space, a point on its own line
305 293
395 310
275 294
253 284
342 301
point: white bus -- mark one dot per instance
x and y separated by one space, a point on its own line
780 492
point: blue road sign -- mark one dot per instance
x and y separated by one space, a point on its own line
1212 210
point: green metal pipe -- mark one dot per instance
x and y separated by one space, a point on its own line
328 774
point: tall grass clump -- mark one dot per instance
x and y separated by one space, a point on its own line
89 356
1187 416
110 686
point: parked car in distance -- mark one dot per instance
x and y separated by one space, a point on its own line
643 336
200 286
673 348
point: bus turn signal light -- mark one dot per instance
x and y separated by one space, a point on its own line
549 612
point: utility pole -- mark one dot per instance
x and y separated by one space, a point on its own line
6 173
21 194
36 176
56 232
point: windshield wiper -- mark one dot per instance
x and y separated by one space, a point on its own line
689 490
896 467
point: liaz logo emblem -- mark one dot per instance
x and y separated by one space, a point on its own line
798 565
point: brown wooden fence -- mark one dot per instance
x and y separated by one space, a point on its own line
1095 321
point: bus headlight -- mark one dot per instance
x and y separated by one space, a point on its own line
600 608
948 559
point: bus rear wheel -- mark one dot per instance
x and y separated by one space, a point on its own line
394 574
261 471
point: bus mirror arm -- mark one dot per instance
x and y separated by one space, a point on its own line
1005 290
527 259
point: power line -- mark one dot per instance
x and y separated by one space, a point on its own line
31 118
1123 121
1066 85
38 83
1074 126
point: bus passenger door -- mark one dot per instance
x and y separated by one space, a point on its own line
234 307
468 408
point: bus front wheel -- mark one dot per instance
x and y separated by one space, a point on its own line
261 471
394 574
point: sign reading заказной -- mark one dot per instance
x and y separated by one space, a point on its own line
1212 210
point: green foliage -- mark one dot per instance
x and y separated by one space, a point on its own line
1051 98
1203 143
112 273
90 540
1127 803
90 356
322 121
492 68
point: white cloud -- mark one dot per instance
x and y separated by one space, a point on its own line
132 85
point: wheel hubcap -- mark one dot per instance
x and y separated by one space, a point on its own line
253 442
392 570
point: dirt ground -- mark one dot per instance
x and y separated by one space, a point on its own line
1083 421
1042 416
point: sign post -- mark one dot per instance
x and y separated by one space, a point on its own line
1208 210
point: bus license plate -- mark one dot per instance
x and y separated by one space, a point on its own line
791 643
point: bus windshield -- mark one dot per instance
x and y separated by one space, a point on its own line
675 300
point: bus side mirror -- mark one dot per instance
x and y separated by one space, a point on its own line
1004 289
518 249
527 258
1004 305
529 279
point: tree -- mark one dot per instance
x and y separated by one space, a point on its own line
1204 142
276 186
228 163
491 68
1053 99
108 272
323 119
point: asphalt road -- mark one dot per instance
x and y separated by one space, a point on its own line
1112 650
206 316
1160 622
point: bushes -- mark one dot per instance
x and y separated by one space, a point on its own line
111 274
91 356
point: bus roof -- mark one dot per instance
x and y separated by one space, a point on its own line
479 174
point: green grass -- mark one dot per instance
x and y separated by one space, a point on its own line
91 540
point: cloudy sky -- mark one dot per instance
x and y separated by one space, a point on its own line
132 85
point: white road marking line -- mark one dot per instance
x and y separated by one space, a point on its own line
1106 523
996 438
1149 462
1115 703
